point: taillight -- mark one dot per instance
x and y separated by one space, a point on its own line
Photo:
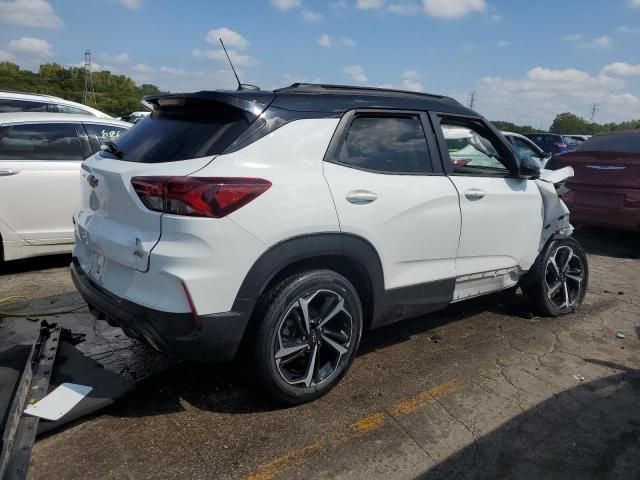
214 197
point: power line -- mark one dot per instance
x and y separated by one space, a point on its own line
89 91
472 99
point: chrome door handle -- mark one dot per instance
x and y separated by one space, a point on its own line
361 197
475 194
8 172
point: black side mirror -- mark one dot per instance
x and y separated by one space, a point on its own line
529 168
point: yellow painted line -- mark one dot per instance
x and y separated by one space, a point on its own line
291 459
363 426
370 423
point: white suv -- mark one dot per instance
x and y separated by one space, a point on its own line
13 102
283 224
40 158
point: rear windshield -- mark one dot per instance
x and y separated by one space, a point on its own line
620 143
181 133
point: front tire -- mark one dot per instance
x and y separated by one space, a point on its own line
309 334
558 280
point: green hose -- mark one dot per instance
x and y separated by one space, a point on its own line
15 306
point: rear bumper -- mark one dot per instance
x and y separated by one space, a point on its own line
176 334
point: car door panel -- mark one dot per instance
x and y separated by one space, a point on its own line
414 223
40 198
502 215
406 208
501 229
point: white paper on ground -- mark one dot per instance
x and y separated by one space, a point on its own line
59 402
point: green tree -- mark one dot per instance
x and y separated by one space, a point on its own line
570 123
512 127
115 94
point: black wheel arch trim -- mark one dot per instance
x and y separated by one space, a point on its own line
387 306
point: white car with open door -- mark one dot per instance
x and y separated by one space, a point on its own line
281 225
40 158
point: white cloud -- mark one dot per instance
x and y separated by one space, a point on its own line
543 93
117 58
627 30
404 8
237 58
311 16
621 69
577 39
327 42
131 4
411 80
370 4
324 41
229 37
634 3
31 46
5 56
504 43
356 73
286 4
453 8
29 13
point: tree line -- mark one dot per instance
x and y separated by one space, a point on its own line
116 95
571 123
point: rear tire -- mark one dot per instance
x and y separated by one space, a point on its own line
558 280
309 333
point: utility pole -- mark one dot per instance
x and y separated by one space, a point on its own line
89 92
594 110
472 99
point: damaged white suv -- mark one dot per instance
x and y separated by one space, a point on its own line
284 224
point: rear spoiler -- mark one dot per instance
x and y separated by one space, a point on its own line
252 102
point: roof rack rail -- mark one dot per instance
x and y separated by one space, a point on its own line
327 88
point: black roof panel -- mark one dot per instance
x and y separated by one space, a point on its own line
330 99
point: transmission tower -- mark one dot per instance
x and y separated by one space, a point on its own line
594 110
89 92
472 99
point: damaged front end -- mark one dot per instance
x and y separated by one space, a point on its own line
556 214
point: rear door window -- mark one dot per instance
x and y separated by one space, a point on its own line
386 144
54 141
74 110
10 105
182 133
105 133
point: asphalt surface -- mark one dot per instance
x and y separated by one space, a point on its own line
482 390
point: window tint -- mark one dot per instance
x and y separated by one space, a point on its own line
9 106
105 133
170 135
40 142
466 155
386 144
616 142
69 109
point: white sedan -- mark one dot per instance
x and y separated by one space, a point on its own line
40 158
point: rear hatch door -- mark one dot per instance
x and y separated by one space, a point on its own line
114 230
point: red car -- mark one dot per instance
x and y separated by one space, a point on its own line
606 187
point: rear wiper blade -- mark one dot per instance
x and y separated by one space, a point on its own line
112 148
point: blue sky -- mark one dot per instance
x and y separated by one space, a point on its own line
527 61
